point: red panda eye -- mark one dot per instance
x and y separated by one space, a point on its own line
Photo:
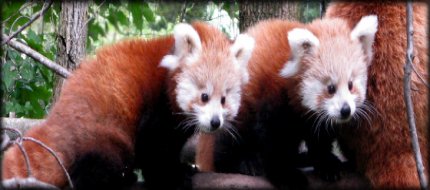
331 89
223 100
350 85
205 97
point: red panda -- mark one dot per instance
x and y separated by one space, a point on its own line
207 73
117 103
382 149
317 76
293 70
95 118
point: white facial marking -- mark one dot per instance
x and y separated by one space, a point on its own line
205 114
310 91
186 91
334 105
233 98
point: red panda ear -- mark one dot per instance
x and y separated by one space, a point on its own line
188 47
365 32
302 42
242 51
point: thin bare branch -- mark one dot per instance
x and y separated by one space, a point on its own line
26 159
53 154
420 76
183 12
322 8
5 141
38 57
15 21
33 18
18 141
25 5
408 98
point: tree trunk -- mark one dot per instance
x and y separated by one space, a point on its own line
71 39
251 12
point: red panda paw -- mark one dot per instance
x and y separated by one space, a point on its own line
329 169
43 167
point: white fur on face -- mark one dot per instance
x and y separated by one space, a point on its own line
188 96
233 98
310 91
186 91
334 104
206 112
339 59
215 77
313 90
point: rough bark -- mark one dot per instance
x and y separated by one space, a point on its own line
252 11
72 37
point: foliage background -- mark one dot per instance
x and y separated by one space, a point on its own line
27 86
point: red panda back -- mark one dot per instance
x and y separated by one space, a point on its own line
97 111
270 54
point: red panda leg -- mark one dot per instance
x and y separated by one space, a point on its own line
14 163
394 173
205 152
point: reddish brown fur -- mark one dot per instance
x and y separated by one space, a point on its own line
265 64
205 152
98 109
383 149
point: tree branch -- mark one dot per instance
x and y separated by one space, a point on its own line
19 142
33 18
25 5
408 99
183 12
38 57
24 183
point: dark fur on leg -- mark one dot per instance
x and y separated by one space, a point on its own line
100 171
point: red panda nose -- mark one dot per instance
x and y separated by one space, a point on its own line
345 111
215 123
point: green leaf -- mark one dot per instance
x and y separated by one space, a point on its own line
33 40
121 18
136 12
111 18
40 92
95 30
148 13
117 16
12 9
53 13
13 107
8 75
27 71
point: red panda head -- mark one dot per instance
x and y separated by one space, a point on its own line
331 62
209 72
